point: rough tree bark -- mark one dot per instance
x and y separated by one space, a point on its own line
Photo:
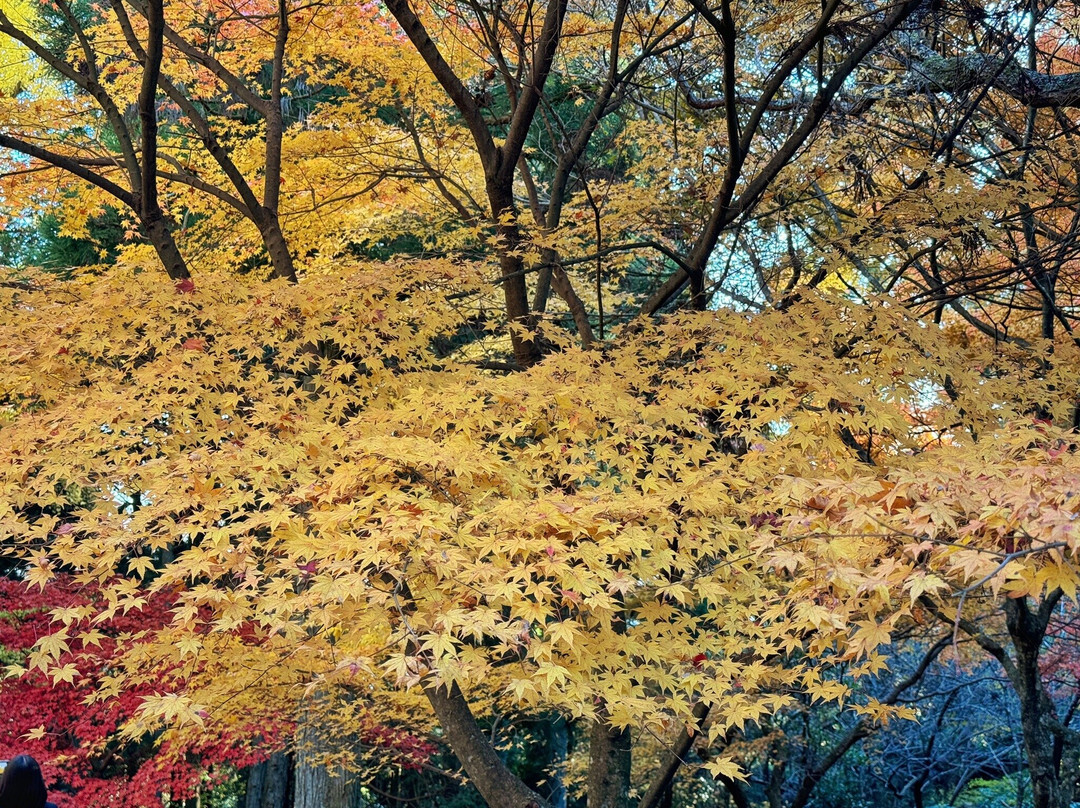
316 785
499 787
958 74
268 782
609 766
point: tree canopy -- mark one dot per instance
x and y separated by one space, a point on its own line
309 444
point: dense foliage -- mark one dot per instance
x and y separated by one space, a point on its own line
57 719
667 402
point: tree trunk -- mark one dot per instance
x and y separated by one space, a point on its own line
661 787
512 268
1037 714
559 741
267 785
157 231
499 787
699 296
318 786
309 788
144 183
277 248
609 766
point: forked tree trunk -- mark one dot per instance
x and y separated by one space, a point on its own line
512 268
277 248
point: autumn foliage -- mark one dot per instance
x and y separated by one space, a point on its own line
717 510
652 368
57 718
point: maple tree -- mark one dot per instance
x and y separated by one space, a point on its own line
623 536
680 531
963 212
139 162
76 736
959 201
197 79
76 742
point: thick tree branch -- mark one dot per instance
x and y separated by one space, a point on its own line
961 74
468 107
807 44
984 641
543 57
674 759
148 195
184 177
68 164
499 786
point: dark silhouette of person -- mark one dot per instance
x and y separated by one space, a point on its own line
22 786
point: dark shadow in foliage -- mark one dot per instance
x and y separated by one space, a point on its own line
40 244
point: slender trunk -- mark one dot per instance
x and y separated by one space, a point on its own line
515 291
543 281
1037 713
699 261
917 794
609 766
145 184
157 231
155 24
275 119
277 248
774 790
550 273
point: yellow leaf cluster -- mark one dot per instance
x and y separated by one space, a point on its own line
716 507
